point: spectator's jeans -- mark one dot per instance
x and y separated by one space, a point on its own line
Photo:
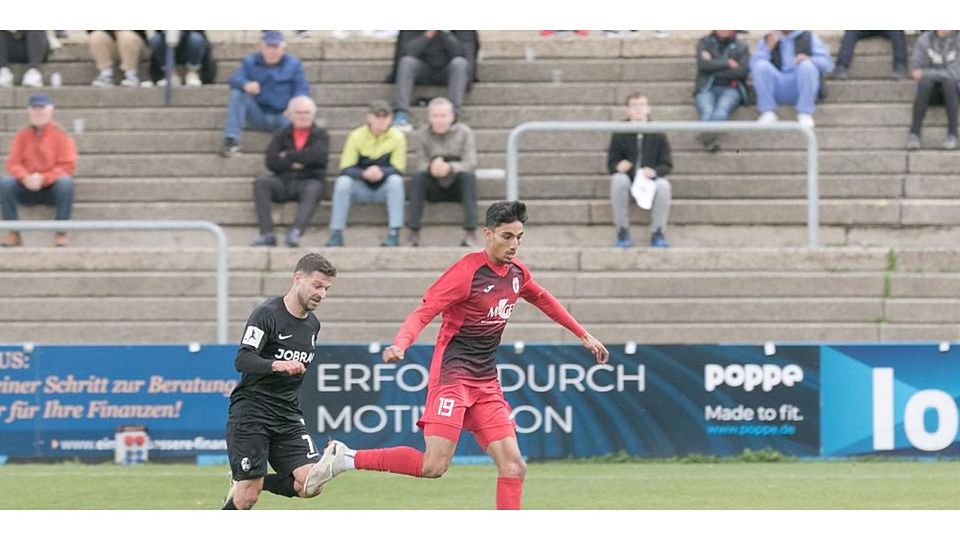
798 88
190 49
898 42
31 47
620 200
58 194
426 187
717 103
243 110
269 189
926 89
347 190
412 70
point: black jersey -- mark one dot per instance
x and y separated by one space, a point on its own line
273 334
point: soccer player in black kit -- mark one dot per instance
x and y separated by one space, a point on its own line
265 424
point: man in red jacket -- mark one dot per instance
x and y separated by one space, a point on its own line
40 168
476 296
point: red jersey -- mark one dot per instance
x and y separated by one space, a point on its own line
476 297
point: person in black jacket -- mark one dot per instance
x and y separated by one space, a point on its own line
297 157
634 154
721 84
441 57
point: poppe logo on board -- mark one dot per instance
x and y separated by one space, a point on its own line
765 377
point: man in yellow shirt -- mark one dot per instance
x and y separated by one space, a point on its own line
371 170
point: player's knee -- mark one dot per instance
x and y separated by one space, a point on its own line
514 468
245 500
435 468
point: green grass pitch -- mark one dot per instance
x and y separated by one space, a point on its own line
552 485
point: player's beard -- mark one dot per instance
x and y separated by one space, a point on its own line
305 302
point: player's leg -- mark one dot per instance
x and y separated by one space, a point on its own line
511 471
441 423
489 420
292 454
247 448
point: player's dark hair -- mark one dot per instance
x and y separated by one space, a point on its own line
632 96
315 262
505 212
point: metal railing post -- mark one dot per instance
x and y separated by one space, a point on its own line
214 229
813 197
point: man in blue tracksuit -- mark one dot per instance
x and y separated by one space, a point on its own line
787 68
260 90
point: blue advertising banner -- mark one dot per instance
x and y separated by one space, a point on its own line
660 401
895 400
66 401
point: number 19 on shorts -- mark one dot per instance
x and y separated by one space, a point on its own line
445 408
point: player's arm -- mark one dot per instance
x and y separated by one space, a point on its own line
259 326
535 294
452 287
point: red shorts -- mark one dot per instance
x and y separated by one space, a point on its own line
477 406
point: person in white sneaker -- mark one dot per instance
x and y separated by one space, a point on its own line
191 50
788 68
23 47
108 47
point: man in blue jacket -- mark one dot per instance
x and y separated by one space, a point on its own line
260 90
787 68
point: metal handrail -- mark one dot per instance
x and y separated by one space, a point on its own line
212 228
813 196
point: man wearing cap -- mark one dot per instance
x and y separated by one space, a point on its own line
260 90
371 166
40 168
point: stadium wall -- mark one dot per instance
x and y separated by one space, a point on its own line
63 402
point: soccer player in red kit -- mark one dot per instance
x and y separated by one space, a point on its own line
476 297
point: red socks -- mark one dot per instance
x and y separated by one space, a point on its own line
509 492
399 459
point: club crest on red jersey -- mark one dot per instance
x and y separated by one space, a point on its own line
516 284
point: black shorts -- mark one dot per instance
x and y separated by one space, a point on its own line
251 445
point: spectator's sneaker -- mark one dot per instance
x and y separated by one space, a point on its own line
32 78
392 239
469 240
950 143
6 78
768 117
623 238
805 120
193 79
60 240
163 82
402 122
841 73
104 80
414 239
268 239
231 148
12 240
710 141
900 73
332 463
336 239
913 143
293 238
658 240
130 79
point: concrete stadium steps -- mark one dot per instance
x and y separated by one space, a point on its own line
653 296
567 163
502 117
862 212
93 144
732 186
